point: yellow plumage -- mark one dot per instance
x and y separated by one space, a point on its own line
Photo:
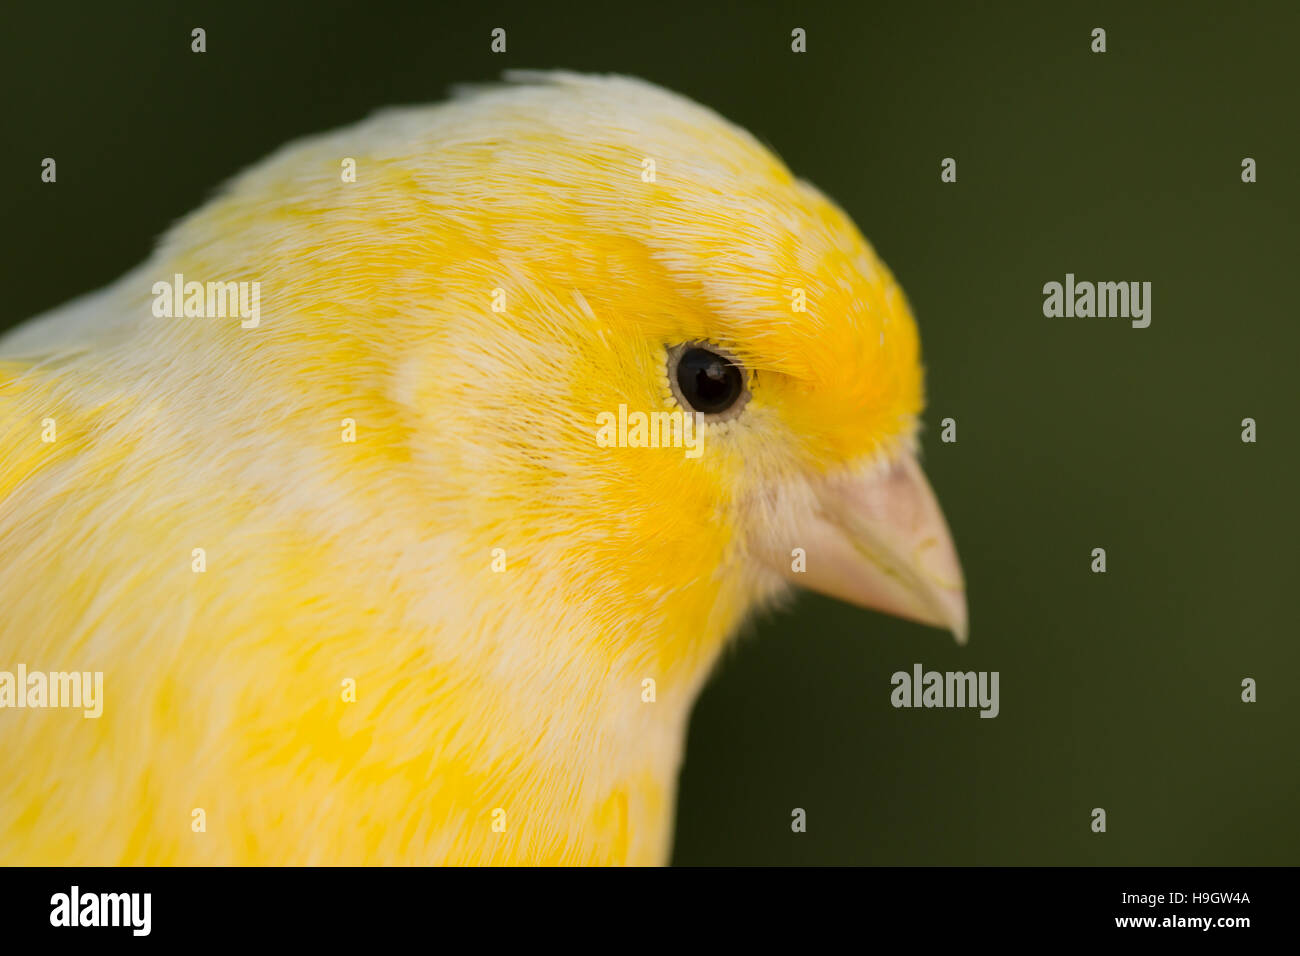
477 690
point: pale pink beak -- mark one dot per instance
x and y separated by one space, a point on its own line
880 541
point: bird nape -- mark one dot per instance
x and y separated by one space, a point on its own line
548 388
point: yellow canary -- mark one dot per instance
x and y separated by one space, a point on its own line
404 498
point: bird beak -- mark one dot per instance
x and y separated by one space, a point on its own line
879 541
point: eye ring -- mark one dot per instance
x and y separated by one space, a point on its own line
707 379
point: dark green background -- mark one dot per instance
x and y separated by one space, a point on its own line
1119 690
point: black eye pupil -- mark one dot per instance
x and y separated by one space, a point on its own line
709 382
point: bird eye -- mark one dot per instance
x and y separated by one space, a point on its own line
706 381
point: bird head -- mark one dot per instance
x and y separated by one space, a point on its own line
515 275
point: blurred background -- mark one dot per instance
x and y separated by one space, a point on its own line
1119 690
